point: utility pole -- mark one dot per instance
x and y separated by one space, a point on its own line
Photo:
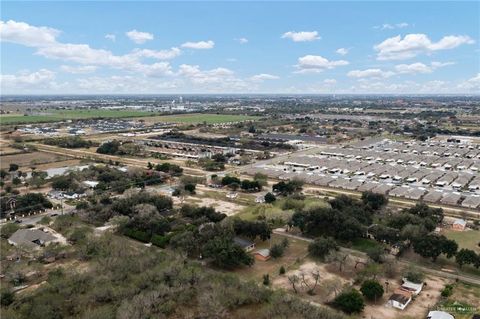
61 203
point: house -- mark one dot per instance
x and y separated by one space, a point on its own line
232 195
439 315
91 184
262 254
31 238
400 299
246 245
459 224
413 287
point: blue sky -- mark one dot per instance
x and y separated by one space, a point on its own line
240 47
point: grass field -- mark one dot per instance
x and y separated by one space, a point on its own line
55 115
201 118
277 209
150 117
465 239
464 301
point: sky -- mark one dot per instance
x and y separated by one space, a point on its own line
359 47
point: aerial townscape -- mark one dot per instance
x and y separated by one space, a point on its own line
240 160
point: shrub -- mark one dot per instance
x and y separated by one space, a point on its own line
322 246
266 279
159 241
372 290
281 271
349 302
447 291
137 234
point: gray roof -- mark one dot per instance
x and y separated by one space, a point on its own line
30 238
242 242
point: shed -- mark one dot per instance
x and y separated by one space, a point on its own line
439 315
262 254
400 299
413 287
459 224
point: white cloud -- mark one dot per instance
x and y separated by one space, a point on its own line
302 36
41 79
471 85
388 26
263 76
317 63
159 54
110 37
78 69
25 34
47 46
199 45
342 51
370 73
411 45
242 40
139 37
330 81
214 80
418 67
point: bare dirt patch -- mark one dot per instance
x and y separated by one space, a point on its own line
418 307
227 208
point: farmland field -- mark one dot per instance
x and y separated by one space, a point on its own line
149 117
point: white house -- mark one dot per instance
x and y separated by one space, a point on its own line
400 299
413 287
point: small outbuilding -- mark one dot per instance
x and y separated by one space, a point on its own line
262 254
459 224
413 287
439 315
400 299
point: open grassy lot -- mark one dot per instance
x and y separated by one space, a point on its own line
295 252
278 209
56 115
466 239
201 118
464 301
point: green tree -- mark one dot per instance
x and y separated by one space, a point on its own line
373 200
372 290
13 167
465 257
270 198
225 253
8 229
349 302
322 246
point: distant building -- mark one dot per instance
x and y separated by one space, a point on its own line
459 224
246 245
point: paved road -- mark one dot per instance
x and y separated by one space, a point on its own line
462 277
33 219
